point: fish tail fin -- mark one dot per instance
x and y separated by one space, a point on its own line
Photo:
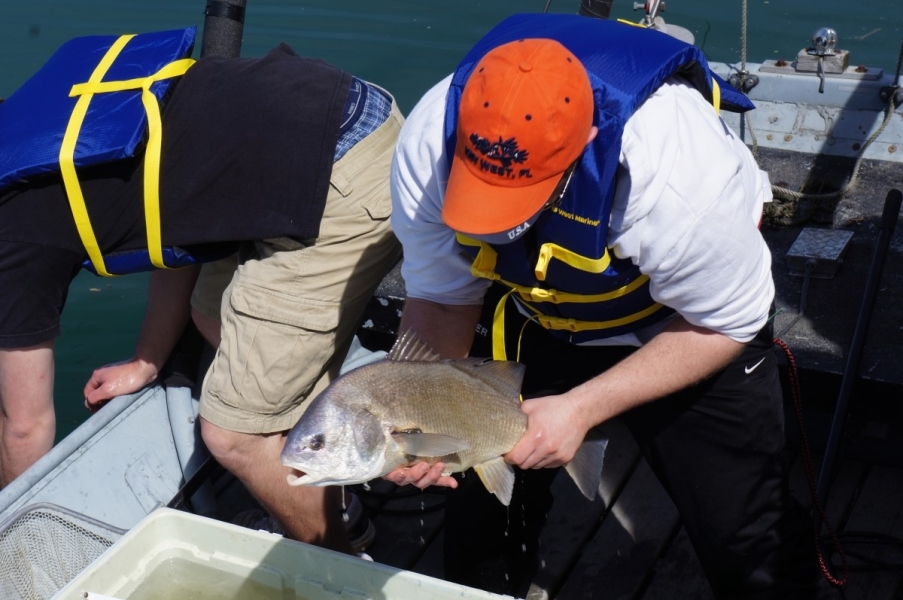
586 467
498 477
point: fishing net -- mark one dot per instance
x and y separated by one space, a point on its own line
44 546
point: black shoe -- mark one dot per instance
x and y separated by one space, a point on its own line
361 530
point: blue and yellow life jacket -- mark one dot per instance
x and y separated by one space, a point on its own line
96 100
562 271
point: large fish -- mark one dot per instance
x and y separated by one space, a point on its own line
415 406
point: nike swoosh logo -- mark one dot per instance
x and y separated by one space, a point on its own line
753 368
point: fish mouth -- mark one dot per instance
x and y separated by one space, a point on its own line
296 478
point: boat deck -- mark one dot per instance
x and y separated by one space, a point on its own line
632 545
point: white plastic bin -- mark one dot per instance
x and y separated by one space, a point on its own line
173 554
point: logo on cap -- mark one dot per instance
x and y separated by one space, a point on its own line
505 152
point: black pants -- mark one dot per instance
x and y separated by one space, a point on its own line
717 448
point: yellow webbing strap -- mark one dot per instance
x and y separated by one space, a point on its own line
716 96
631 23
484 264
484 267
85 92
498 329
582 263
557 297
468 241
573 325
554 323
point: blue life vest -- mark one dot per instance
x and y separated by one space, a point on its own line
562 271
96 100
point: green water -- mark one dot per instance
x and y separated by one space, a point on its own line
180 579
405 46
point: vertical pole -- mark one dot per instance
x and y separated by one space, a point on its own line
885 232
224 22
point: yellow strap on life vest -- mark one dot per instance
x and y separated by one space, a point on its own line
573 325
498 329
484 263
716 96
85 92
557 297
582 263
484 267
554 323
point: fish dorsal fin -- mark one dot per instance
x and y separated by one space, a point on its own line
498 477
504 376
408 347
429 444
586 466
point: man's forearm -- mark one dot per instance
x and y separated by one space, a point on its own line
167 314
680 356
447 328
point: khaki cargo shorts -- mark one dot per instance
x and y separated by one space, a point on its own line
292 307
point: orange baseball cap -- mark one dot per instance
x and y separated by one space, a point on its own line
525 116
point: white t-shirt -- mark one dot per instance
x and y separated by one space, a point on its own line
688 201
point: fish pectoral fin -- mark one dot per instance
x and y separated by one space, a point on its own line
429 444
498 477
586 467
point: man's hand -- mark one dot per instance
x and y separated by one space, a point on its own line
555 430
422 475
167 313
117 379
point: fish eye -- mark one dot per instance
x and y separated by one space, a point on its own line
317 442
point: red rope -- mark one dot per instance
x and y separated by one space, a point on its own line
818 514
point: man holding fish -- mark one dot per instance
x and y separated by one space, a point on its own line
600 224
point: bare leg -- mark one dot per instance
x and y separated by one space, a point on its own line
208 326
27 420
308 514
23 440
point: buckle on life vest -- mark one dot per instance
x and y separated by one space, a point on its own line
561 324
